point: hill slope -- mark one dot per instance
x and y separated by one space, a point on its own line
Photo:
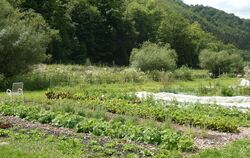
227 27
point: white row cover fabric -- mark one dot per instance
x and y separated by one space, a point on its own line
237 101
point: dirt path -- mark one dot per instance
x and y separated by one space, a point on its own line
210 139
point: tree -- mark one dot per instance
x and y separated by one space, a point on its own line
143 21
24 38
173 30
105 31
153 57
221 62
87 21
117 35
64 47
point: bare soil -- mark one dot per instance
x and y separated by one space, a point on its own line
213 139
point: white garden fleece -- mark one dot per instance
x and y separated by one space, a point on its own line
237 101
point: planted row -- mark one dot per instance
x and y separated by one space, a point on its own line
205 116
164 137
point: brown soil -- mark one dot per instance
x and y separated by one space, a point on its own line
212 139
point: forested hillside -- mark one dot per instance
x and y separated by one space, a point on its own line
227 27
106 31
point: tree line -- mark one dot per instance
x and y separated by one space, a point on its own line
103 31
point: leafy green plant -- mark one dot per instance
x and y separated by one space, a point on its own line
183 73
97 127
225 91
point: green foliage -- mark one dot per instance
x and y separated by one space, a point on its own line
226 27
221 62
97 126
183 73
27 143
227 91
204 116
24 38
1 78
153 57
237 149
105 32
185 39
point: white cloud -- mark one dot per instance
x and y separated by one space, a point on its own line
240 8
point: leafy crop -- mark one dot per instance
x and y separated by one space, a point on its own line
205 116
102 128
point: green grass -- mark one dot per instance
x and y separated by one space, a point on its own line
22 145
210 87
36 149
238 149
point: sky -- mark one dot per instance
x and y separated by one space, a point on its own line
240 8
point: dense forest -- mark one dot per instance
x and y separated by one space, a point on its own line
106 31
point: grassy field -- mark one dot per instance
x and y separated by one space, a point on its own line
98 105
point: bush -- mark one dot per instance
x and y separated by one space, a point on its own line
227 91
24 38
153 57
183 73
221 62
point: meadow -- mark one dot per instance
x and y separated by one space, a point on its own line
90 111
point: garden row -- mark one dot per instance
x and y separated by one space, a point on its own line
165 138
206 116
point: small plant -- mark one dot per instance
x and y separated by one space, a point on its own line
58 95
4 124
225 91
183 73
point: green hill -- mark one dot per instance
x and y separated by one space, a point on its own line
226 27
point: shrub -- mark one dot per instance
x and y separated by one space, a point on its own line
221 62
153 57
227 91
200 74
168 77
183 73
155 75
